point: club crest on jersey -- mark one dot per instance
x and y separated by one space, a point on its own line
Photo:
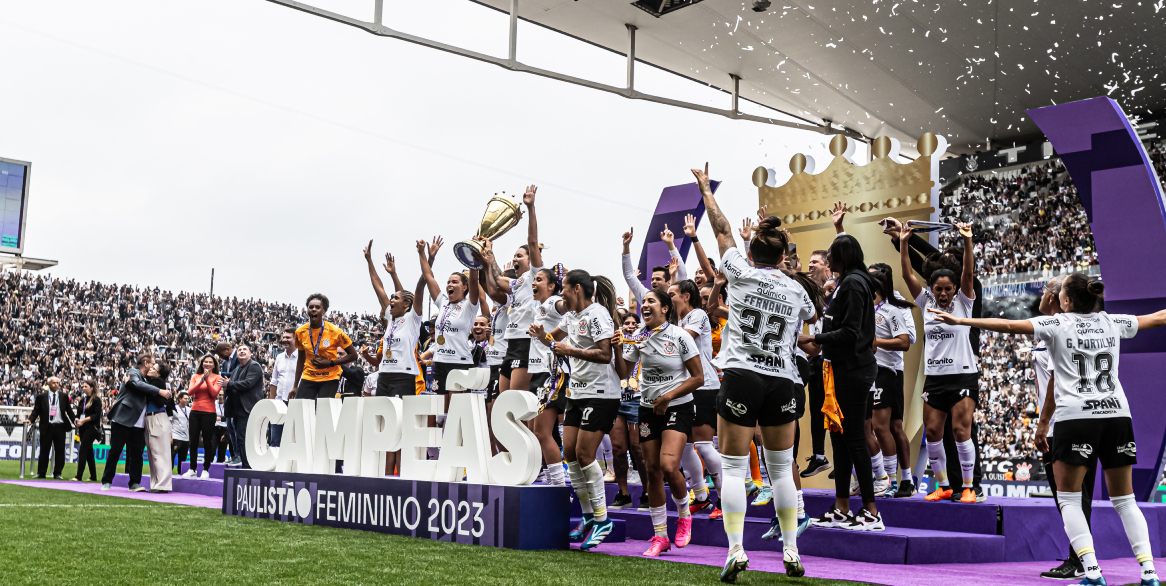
880 319
1084 449
669 348
581 327
644 431
738 409
1129 449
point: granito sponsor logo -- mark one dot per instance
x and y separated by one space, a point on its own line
939 361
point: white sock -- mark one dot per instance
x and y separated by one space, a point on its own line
735 471
876 465
579 484
659 520
712 461
555 475
694 471
1137 532
967 453
594 476
938 462
681 501
785 494
891 466
603 453
801 506
1077 529
905 475
764 468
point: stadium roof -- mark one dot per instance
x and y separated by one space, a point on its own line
967 70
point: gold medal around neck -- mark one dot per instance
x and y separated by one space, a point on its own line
388 354
491 340
441 340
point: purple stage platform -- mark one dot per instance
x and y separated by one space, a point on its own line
1002 529
216 469
209 487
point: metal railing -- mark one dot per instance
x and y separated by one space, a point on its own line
1037 276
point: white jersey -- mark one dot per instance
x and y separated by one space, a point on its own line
590 380
889 324
549 318
1084 350
697 322
947 349
454 322
764 308
522 305
496 352
399 343
661 359
1044 372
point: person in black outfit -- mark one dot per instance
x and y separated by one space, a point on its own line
243 391
819 270
56 417
89 426
925 258
127 424
847 343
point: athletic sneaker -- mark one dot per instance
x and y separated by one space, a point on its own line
644 506
774 530
736 563
865 521
832 518
980 496
967 496
106 486
881 486
892 488
205 475
906 490
793 564
855 488
1100 581
1150 582
609 475
1070 569
816 465
658 545
717 513
803 524
542 476
763 496
581 529
831 475
189 473
698 506
620 502
634 477
683 531
599 532
137 488
751 487
940 493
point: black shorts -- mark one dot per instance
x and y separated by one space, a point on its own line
396 384
557 396
1084 442
492 390
441 372
676 418
591 414
800 390
889 392
749 399
517 353
943 391
705 403
318 389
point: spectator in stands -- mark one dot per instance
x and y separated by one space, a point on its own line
283 376
159 436
180 430
127 422
243 390
222 438
205 386
56 417
89 429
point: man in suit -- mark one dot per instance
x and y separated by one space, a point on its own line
56 419
127 423
243 391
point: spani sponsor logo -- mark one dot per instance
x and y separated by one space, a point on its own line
1095 404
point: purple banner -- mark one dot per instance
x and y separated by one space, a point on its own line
675 202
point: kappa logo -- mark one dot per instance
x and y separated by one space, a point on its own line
1129 449
1084 449
790 407
738 409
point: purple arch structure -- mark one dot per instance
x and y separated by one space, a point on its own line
1123 199
675 202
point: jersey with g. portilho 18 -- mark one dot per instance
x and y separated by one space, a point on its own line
661 359
549 318
522 305
946 348
585 329
890 324
453 325
1084 350
764 308
697 322
399 343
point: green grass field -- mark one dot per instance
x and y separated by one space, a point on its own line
59 537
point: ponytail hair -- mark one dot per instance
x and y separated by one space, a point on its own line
555 276
882 283
816 292
1086 294
598 288
769 243
665 304
688 287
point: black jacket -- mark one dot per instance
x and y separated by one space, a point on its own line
920 248
244 390
131 400
847 336
93 412
40 411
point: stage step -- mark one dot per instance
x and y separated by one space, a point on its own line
210 487
216 469
618 531
893 546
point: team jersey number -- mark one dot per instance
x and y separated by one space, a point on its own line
751 322
1103 381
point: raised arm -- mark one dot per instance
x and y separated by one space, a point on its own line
718 311
721 226
419 296
629 272
967 276
1151 321
377 285
905 267
473 290
1004 326
670 239
690 231
536 255
495 284
427 271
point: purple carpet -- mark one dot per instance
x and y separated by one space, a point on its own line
1120 571
178 498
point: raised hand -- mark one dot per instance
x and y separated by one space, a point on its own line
368 251
528 197
702 179
965 229
746 229
420 247
627 236
838 215
390 264
892 226
944 317
667 236
762 213
673 267
435 246
721 279
905 232
690 225
509 266
619 301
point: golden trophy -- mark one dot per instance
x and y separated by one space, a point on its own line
502 214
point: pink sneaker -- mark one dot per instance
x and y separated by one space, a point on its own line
683 531
659 546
